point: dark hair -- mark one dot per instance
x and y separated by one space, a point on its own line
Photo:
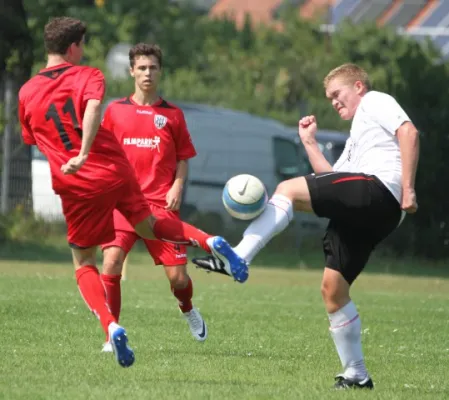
61 32
144 49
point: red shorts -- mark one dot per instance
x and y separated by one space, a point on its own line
90 221
163 253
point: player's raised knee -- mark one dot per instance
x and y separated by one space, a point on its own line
297 191
286 189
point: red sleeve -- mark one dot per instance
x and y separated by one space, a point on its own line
95 86
183 140
107 122
27 133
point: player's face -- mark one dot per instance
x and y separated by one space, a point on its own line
75 52
146 73
345 97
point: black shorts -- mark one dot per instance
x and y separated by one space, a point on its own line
362 212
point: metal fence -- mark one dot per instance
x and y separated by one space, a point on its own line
15 187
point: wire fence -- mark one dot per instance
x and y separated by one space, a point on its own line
16 173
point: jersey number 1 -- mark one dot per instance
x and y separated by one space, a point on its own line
69 108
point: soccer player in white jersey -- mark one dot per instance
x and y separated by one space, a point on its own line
364 195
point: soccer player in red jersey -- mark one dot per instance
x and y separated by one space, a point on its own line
154 135
60 112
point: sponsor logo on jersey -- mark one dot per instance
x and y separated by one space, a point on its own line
160 121
148 112
149 143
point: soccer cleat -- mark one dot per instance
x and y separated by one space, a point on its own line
119 341
211 264
107 348
224 260
343 383
196 324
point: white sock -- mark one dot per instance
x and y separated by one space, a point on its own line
112 327
345 327
274 219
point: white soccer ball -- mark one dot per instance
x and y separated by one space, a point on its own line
244 197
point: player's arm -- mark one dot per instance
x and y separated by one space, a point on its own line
390 115
408 138
92 97
174 195
182 169
91 123
184 151
307 131
316 158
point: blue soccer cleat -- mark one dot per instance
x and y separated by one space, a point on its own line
119 341
224 260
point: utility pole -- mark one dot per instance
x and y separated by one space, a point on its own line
7 139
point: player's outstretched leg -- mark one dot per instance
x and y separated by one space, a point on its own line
175 231
229 261
275 218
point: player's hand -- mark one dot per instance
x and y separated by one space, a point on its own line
307 128
173 198
409 203
73 165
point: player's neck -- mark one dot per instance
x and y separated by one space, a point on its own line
145 99
54 60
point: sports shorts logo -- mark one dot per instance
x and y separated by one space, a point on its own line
160 121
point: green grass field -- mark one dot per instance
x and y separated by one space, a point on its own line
268 338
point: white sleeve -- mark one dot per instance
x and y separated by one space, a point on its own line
340 165
385 110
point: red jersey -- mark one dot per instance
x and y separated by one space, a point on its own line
51 111
154 139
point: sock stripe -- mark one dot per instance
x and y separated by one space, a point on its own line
281 208
285 202
282 200
345 323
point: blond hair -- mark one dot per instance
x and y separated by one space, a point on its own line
351 73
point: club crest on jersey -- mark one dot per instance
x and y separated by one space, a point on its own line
160 121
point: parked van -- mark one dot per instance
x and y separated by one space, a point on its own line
229 143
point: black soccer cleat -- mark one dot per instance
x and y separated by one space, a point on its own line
211 264
343 383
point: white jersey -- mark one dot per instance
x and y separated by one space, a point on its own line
372 147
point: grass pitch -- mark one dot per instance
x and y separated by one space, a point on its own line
268 338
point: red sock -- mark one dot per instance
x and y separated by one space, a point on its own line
184 296
92 291
172 230
112 287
